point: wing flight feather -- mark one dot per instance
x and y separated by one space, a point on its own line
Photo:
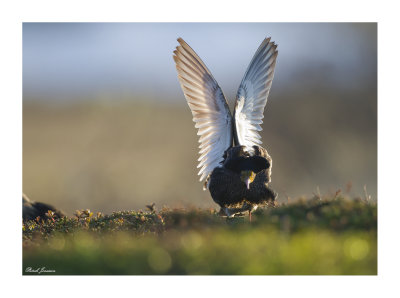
252 95
208 105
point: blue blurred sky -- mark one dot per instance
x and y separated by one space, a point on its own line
67 60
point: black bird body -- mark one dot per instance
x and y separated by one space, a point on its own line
226 187
31 210
237 170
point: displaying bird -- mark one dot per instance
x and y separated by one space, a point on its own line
236 169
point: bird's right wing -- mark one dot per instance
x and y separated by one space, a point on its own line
209 107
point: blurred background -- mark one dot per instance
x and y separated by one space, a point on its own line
106 125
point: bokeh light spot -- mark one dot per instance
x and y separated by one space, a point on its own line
357 248
159 260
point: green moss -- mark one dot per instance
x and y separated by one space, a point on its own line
306 237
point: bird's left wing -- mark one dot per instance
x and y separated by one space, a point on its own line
252 95
208 105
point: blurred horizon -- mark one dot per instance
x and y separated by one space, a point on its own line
106 125
63 61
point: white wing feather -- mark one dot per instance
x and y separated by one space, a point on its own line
252 95
208 105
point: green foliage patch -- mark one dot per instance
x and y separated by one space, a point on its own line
337 236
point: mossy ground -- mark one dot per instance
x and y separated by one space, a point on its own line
329 236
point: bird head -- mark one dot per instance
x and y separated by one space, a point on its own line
247 177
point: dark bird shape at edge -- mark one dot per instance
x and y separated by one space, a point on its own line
31 210
236 169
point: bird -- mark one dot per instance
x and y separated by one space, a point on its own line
235 167
31 210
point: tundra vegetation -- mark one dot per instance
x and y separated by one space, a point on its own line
335 235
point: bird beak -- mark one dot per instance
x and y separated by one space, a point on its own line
248 183
247 177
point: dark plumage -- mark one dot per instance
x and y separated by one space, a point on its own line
31 210
236 168
230 192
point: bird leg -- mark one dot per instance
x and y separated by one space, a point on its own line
250 215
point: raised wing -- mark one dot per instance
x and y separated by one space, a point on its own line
209 107
252 95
